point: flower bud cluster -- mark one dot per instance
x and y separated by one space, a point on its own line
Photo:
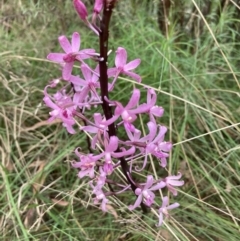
107 151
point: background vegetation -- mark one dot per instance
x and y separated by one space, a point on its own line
192 60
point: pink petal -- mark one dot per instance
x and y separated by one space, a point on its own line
94 141
76 164
164 202
85 54
97 157
165 146
157 111
137 203
91 173
114 80
172 206
175 177
77 81
119 108
140 109
152 132
67 122
97 118
112 72
124 153
66 46
138 191
95 76
82 174
158 186
49 103
56 57
137 134
175 183
86 72
163 162
161 134
160 221
112 145
69 128
132 64
110 121
103 205
121 57
75 42
108 166
90 129
130 135
134 99
151 97
144 164
135 76
79 97
149 201
67 70
77 153
149 182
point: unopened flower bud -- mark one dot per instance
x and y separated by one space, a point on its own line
81 9
98 6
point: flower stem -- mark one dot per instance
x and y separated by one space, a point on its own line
103 42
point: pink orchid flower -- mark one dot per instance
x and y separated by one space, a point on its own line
145 193
152 143
71 54
98 129
154 110
163 210
128 113
90 81
172 181
101 196
122 67
110 146
63 108
87 164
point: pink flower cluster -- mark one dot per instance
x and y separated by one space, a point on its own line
107 152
